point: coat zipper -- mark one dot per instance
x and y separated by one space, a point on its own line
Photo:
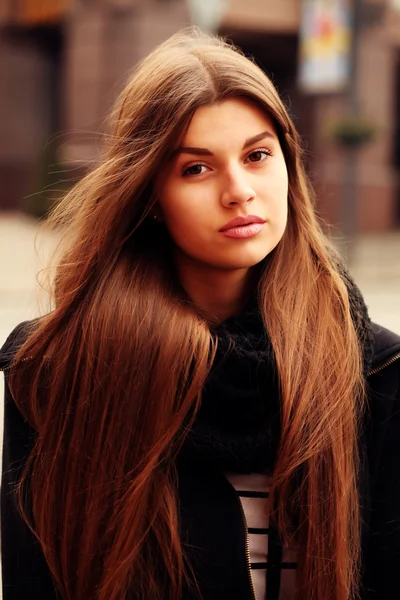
8 367
385 364
247 549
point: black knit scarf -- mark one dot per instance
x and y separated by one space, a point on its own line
238 425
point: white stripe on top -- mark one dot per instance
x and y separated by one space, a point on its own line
252 490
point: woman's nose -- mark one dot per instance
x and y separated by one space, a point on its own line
236 188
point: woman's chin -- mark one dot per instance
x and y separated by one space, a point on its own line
239 262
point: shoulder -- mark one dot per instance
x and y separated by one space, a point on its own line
386 346
14 341
383 414
383 386
18 434
384 375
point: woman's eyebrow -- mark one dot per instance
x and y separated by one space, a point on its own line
206 152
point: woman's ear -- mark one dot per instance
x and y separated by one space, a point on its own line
156 213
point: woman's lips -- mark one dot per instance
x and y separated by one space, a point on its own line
244 231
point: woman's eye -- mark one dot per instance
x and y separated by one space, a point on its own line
194 170
258 155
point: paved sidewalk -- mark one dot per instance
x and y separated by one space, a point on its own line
376 270
24 251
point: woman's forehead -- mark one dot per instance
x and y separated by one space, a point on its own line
231 118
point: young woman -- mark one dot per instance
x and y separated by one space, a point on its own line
208 411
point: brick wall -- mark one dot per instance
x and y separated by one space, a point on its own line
376 189
102 46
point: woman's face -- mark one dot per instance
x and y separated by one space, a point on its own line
229 166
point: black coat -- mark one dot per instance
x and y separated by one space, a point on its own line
210 509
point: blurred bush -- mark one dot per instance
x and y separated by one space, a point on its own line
352 131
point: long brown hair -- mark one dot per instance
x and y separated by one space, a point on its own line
115 371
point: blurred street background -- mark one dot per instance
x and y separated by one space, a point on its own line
336 64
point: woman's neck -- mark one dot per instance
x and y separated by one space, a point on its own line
219 293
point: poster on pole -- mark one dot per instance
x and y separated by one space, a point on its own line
325 46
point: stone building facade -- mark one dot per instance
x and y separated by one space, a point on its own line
62 62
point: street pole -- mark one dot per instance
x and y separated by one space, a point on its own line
351 153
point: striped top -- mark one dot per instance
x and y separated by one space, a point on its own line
273 567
